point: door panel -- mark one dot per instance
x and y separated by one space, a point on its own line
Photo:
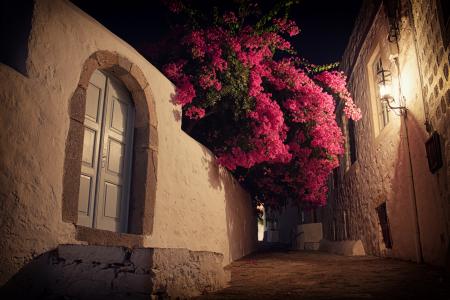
119 116
117 132
93 99
115 156
95 95
89 144
85 193
113 196
106 159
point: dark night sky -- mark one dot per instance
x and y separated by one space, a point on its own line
325 24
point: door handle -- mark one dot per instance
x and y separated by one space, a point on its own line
103 160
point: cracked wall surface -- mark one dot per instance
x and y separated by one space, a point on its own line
100 272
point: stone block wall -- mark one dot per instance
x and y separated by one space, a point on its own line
434 61
391 163
100 272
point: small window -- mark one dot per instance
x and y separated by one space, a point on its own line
434 153
352 140
348 127
384 224
444 8
382 108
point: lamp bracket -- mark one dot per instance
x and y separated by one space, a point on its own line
389 99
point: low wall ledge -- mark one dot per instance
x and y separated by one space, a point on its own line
114 272
347 248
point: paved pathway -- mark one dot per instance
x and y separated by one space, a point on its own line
316 275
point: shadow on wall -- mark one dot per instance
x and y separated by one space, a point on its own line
98 272
241 221
400 231
31 281
421 190
49 276
177 113
214 173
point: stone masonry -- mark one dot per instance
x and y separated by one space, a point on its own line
99 272
434 60
391 164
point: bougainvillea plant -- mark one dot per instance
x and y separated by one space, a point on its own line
269 117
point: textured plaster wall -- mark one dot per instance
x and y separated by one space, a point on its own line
382 171
198 205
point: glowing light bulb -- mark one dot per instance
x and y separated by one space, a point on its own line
385 90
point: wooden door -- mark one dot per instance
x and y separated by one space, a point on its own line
106 162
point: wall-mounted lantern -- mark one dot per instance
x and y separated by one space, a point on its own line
385 83
384 77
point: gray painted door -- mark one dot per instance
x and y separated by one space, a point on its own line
106 161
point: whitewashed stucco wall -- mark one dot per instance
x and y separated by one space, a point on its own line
198 205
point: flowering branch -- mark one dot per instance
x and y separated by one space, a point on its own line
268 116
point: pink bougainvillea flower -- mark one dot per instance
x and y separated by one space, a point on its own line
194 112
286 134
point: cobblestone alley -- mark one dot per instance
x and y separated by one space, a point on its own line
317 275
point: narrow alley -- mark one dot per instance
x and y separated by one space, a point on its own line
283 274
246 149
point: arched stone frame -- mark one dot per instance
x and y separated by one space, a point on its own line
145 147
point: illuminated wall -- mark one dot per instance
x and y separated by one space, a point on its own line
388 197
197 204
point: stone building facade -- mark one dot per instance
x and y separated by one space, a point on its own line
384 193
159 187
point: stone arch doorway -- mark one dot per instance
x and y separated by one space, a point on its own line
103 199
142 178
